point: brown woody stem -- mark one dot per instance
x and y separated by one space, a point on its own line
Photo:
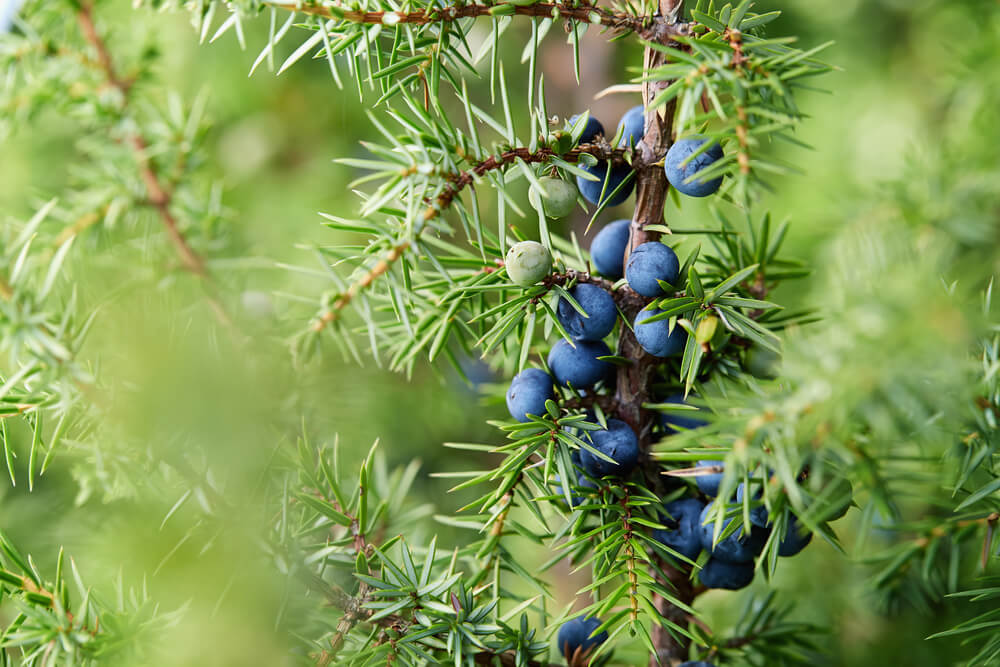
645 27
456 182
158 197
634 380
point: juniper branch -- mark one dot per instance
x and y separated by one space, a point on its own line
159 198
455 183
646 27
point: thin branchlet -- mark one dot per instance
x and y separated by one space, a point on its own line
647 27
455 182
158 196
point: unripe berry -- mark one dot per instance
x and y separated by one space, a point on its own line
649 263
656 337
683 533
677 172
633 126
528 262
590 130
576 634
837 495
528 392
717 573
559 199
607 250
618 442
762 362
599 306
591 189
579 366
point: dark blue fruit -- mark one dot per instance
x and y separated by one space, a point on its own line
581 481
618 442
528 392
674 421
758 513
599 306
579 366
696 663
590 130
591 190
737 547
633 124
607 250
717 573
684 532
649 263
656 337
576 634
709 483
796 538
677 172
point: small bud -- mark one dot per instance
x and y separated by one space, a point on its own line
505 9
391 18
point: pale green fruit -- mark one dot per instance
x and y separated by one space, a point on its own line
560 198
762 363
528 262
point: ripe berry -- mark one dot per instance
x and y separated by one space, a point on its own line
599 306
618 442
758 513
559 199
656 337
678 173
671 422
579 366
590 130
696 663
607 250
576 634
709 483
717 573
684 532
581 481
633 126
528 262
528 392
737 547
796 538
650 262
591 189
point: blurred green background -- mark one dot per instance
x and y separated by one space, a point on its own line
272 143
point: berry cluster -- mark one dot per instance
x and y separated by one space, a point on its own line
611 183
580 368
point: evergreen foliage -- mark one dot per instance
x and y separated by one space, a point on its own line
878 390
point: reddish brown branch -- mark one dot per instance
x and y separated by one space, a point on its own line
646 27
158 197
456 182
